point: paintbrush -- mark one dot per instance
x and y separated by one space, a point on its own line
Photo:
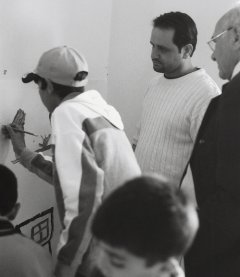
4 130
25 132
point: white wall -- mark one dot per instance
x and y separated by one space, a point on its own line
27 29
130 67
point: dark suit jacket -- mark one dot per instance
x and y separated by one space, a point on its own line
215 165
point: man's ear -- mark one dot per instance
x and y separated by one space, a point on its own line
187 51
12 215
49 87
236 38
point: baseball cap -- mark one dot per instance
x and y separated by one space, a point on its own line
60 65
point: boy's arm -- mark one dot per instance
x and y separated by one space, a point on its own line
36 163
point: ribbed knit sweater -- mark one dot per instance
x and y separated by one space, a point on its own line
172 113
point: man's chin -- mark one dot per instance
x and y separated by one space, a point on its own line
158 69
223 75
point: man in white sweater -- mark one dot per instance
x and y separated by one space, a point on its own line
175 102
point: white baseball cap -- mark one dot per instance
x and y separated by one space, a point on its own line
60 65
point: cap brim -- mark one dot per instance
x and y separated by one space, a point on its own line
30 77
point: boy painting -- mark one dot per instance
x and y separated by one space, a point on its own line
92 155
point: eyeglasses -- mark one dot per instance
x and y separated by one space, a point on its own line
212 42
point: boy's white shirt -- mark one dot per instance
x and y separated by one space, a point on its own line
68 149
94 101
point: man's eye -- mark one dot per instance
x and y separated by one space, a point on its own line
163 50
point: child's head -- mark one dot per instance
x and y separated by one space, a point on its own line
142 226
8 193
60 71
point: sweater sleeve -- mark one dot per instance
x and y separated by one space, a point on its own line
204 96
138 126
136 135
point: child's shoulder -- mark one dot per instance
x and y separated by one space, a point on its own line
24 253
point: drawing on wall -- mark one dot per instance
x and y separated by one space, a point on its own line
18 126
19 119
39 228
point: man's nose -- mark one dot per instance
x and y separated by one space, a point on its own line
213 57
154 54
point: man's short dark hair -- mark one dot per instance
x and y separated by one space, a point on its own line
183 25
147 217
8 190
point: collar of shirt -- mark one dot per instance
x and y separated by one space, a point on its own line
6 228
236 70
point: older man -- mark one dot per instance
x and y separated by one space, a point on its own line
216 163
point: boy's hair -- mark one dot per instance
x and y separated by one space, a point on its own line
147 217
183 25
8 190
61 90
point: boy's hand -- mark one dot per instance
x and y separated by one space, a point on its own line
17 138
5 132
18 122
19 118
